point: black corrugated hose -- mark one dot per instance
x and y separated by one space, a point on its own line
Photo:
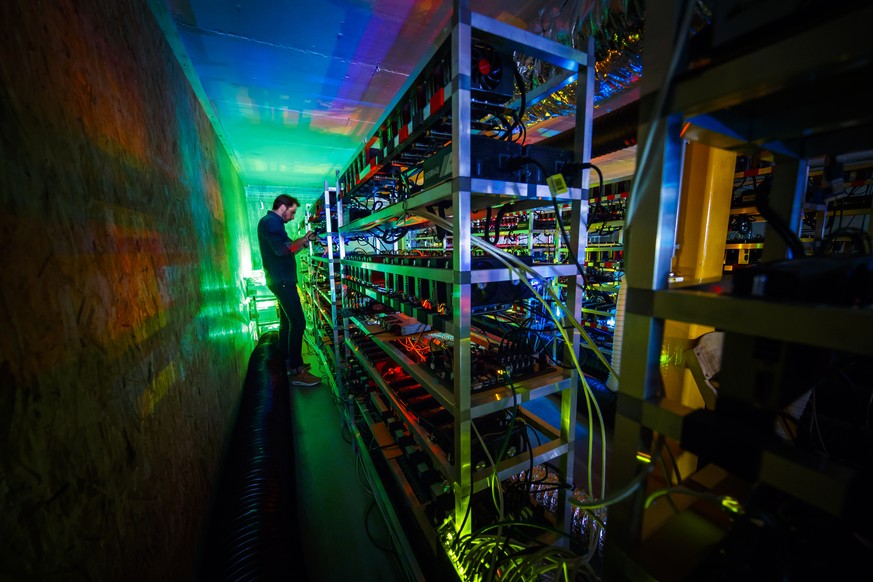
253 533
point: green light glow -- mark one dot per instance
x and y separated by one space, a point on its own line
296 92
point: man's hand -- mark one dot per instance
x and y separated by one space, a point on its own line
295 246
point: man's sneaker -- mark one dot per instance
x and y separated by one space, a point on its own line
303 368
304 378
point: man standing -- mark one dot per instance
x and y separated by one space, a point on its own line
280 266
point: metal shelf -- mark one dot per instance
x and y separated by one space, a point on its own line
851 211
604 351
521 190
420 200
513 38
745 210
448 276
436 320
499 275
482 402
429 273
753 210
497 33
512 466
324 294
481 479
328 266
384 501
597 312
715 99
421 436
767 70
489 401
417 508
543 453
596 225
743 246
484 193
418 372
818 325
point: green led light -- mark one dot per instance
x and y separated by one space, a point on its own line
731 505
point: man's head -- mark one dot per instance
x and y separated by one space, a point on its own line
285 206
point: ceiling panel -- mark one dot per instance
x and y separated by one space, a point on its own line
297 86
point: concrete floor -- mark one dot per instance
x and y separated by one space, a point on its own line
331 498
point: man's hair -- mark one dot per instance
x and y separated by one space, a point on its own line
286 200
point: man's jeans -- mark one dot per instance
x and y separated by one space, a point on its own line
292 323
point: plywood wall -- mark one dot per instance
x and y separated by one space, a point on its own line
123 341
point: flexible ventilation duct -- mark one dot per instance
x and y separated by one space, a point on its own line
253 533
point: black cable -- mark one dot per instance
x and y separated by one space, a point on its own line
367 530
526 439
587 165
669 483
674 464
859 239
557 363
487 228
499 458
523 105
498 220
344 429
564 236
775 221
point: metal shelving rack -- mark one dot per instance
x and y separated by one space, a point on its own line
606 257
329 267
744 102
467 193
819 218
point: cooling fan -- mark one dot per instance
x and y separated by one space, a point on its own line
491 75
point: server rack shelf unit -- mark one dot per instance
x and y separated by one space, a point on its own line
324 288
750 96
604 268
838 198
263 307
441 103
531 233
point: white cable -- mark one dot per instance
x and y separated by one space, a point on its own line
497 253
589 395
494 472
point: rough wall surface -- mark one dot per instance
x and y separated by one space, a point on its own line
123 340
